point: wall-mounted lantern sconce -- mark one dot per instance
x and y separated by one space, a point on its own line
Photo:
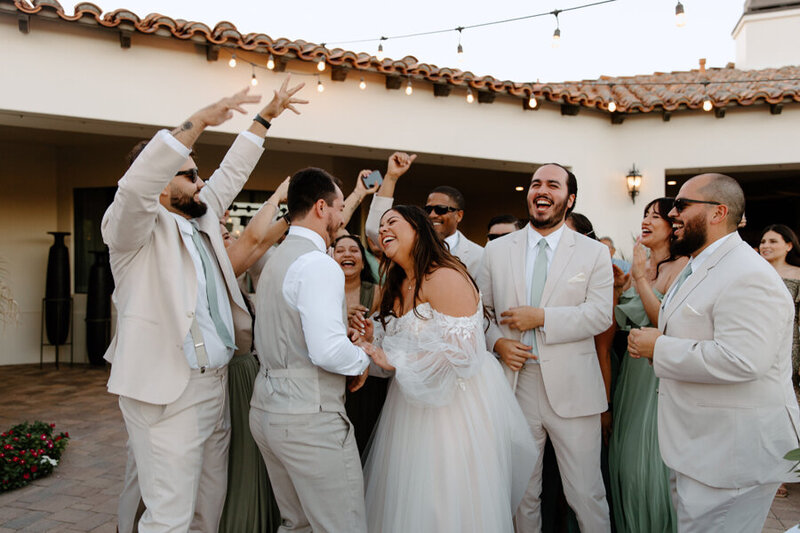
634 182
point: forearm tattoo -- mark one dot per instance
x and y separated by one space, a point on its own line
186 126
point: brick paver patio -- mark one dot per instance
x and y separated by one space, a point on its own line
81 495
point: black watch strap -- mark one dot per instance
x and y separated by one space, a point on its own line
261 120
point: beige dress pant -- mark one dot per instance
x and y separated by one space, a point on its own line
577 444
314 468
130 506
705 509
181 455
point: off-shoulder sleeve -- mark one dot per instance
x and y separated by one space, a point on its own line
434 357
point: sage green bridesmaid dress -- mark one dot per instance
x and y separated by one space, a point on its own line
640 490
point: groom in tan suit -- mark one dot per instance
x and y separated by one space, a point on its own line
180 314
548 291
727 413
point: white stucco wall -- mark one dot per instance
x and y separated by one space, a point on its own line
79 79
768 40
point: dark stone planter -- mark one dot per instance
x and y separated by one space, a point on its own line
57 289
98 308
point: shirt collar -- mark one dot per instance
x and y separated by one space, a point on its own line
452 240
184 224
309 234
705 254
552 240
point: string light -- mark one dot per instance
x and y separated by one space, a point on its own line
254 80
379 54
680 16
320 87
460 49
321 65
707 105
232 62
470 97
409 88
612 106
271 63
362 84
557 32
519 188
532 102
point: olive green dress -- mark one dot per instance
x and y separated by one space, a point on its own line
249 505
364 406
639 479
794 289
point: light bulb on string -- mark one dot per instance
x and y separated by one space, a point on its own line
362 84
470 96
557 32
680 15
320 87
532 102
254 80
321 65
707 105
379 54
612 106
271 62
459 49
409 88
232 62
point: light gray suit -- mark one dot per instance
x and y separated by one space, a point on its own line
727 412
564 395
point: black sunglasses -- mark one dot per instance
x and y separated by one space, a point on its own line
440 209
682 203
493 236
192 174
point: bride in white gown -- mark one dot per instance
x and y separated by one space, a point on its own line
452 451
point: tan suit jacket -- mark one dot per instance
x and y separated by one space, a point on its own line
727 412
470 253
156 282
577 302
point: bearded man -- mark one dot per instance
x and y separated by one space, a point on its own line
548 291
727 413
180 314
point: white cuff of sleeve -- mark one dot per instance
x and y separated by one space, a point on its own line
252 137
174 143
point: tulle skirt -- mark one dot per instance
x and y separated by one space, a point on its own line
462 467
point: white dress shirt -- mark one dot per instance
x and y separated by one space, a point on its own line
314 286
530 259
218 354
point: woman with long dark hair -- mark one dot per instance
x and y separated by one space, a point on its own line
640 490
778 245
452 451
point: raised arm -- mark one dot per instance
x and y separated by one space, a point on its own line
399 163
129 221
261 233
355 198
650 301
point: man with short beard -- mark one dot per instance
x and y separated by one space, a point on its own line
727 413
548 291
180 314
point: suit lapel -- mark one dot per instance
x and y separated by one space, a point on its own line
561 258
518 249
696 278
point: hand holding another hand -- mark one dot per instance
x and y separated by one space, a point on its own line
377 355
513 353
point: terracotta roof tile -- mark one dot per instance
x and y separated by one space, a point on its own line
632 94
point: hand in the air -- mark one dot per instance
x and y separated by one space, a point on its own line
399 163
221 111
283 98
362 189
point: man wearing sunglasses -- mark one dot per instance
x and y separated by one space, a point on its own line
180 314
727 413
502 225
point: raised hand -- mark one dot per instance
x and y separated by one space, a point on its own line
221 111
282 99
361 190
639 265
399 163
281 194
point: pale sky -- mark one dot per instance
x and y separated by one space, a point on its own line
626 37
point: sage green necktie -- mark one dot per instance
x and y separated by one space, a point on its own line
685 273
211 291
537 283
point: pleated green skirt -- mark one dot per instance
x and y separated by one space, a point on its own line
249 505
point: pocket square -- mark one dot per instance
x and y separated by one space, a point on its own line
693 311
577 278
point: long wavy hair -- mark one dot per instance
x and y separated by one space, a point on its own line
788 236
663 206
429 252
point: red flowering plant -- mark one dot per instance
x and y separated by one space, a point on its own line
29 451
